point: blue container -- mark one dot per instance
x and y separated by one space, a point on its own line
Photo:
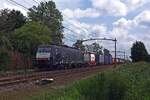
108 59
101 59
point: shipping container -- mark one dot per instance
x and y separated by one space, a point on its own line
107 59
89 58
99 59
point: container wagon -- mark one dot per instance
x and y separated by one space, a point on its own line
107 59
103 59
89 58
99 59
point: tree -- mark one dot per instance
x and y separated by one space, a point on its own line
106 52
27 38
11 20
97 48
88 48
138 52
48 14
79 45
148 58
5 59
4 42
94 47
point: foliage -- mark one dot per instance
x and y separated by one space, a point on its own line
148 58
4 60
106 52
79 45
11 20
97 48
94 47
49 15
139 52
4 41
27 38
128 82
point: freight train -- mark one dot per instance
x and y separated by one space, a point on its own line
54 56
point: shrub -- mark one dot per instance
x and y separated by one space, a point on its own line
129 82
117 87
4 60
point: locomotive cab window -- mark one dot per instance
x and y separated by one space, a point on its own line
44 50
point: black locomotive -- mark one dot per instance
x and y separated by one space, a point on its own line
54 56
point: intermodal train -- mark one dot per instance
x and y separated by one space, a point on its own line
54 56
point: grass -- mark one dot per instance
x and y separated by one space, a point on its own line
128 82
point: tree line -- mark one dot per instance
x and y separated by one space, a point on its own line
138 50
94 47
23 34
43 25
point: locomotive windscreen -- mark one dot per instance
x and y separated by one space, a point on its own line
44 49
43 53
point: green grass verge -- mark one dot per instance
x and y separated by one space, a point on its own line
128 82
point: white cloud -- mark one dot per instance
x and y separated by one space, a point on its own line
143 18
78 13
85 30
118 7
119 33
121 30
72 4
114 7
124 23
2 4
133 4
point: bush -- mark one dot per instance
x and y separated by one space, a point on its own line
4 60
128 82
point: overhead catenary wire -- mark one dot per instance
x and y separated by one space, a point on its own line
71 30
76 26
29 10
44 0
16 3
81 28
36 1
27 2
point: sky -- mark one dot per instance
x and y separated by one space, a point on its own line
126 20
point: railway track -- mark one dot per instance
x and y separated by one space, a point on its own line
56 75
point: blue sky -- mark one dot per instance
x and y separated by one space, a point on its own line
126 20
